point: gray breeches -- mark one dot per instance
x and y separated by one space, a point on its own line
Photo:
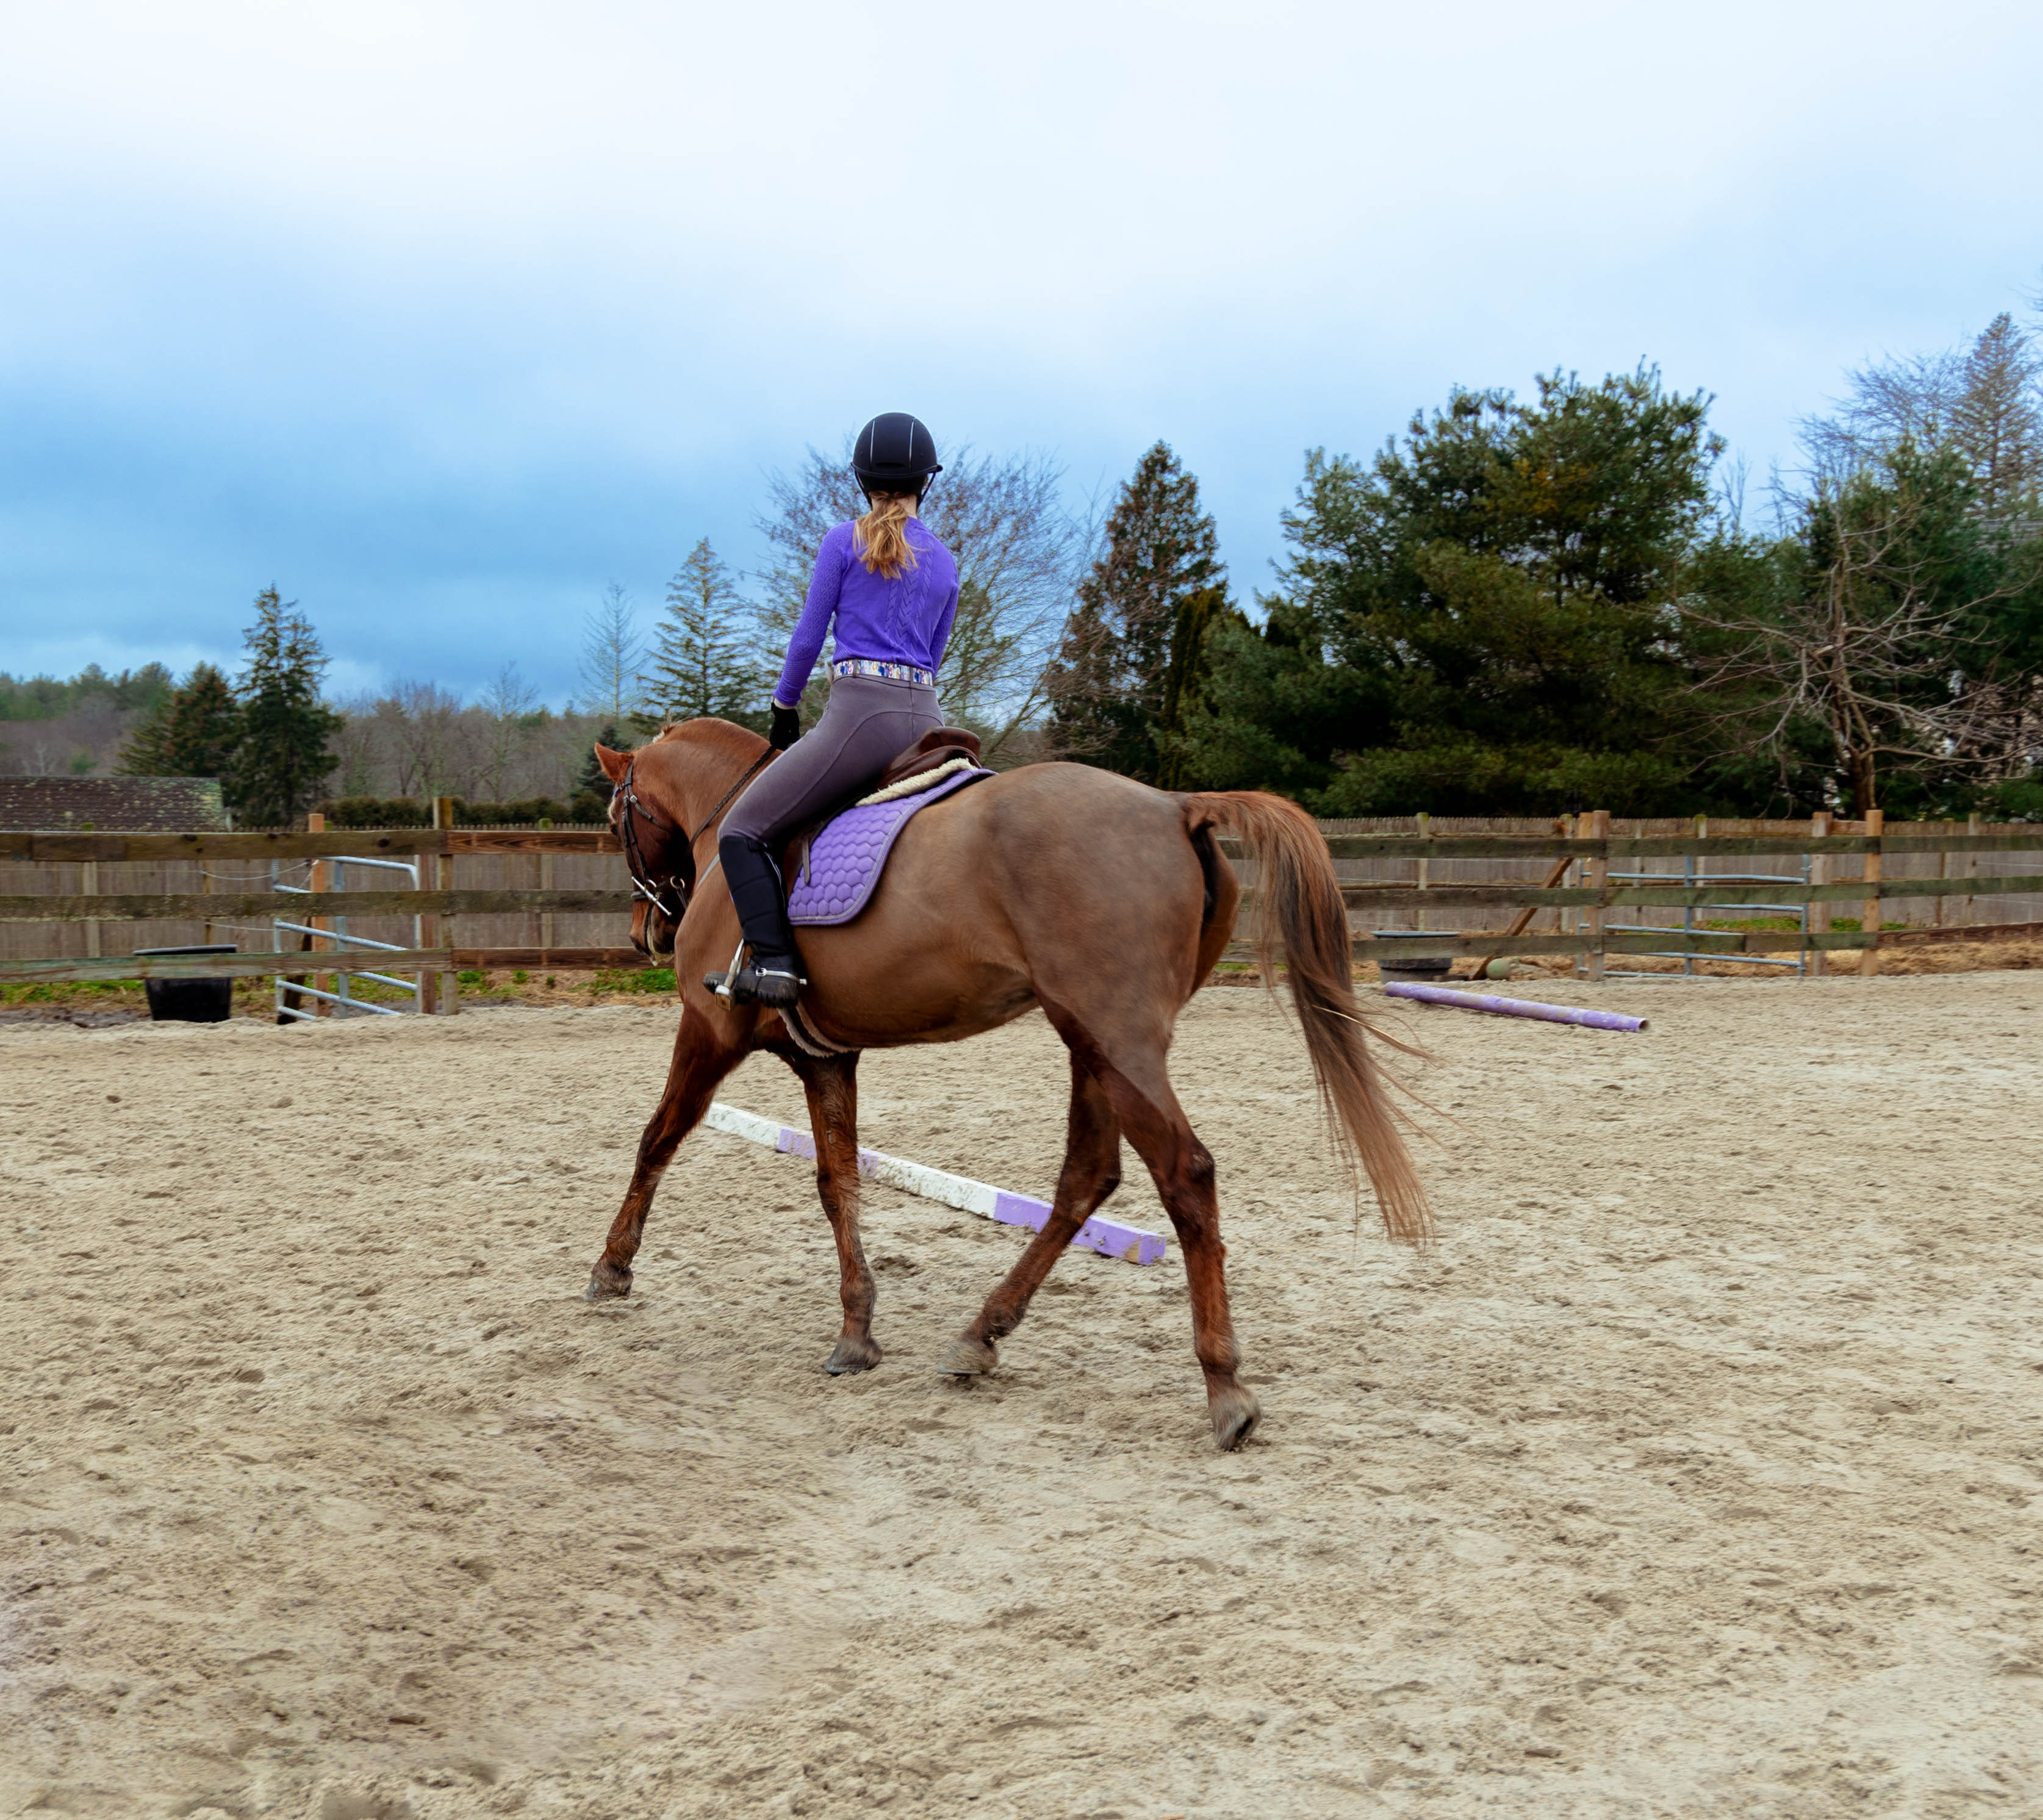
869 722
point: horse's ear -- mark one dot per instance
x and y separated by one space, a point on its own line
615 764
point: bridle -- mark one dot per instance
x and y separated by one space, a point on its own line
679 882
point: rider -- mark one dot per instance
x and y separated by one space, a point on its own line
892 591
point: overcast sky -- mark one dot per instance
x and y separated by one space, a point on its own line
443 315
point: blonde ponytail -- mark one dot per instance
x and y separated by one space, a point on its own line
880 538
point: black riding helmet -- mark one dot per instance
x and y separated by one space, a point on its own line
896 453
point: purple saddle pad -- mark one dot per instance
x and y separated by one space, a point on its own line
845 860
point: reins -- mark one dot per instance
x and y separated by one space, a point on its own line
681 882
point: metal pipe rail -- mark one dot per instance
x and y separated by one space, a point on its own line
344 1002
1798 964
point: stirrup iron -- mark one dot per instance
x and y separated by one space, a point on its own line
720 983
776 988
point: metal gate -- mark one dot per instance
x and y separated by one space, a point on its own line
344 1002
1798 962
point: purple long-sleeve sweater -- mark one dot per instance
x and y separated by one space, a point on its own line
906 620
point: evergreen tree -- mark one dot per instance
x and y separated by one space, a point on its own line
144 688
1485 619
703 660
1108 685
282 757
1186 676
589 797
1997 420
191 733
612 652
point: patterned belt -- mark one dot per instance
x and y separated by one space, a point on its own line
872 667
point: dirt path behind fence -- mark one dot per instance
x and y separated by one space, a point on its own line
1695 1472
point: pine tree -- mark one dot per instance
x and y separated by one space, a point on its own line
610 654
1184 678
191 733
704 662
1108 685
283 757
588 798
1997 420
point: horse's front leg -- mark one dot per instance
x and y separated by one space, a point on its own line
701 1061
1091 1172
831 1084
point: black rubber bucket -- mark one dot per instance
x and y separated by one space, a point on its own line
190 1001
1413 969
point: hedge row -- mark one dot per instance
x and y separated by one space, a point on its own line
405 812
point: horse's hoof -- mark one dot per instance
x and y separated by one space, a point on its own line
968 1357
605 1286
854 1353
1234 1413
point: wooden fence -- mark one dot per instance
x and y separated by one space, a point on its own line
75 905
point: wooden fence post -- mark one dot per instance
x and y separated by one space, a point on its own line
546 918
1972 867
448 995
320 877
1695 871
1599 877
88 883
1425 870
1819 874
1868 957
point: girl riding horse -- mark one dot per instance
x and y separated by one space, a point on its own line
891 591
1064 889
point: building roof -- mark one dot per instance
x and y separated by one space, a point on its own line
152 804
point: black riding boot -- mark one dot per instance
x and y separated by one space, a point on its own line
774 975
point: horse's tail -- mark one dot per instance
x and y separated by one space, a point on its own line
1298 905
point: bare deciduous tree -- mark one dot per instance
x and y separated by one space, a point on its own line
505 704
418 742
358 747
1874 644
417 721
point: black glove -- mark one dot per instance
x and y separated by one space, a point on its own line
787 727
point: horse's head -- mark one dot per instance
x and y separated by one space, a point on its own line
665 798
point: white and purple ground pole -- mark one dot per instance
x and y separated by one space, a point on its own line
1107 1237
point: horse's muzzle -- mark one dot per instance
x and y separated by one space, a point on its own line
652 933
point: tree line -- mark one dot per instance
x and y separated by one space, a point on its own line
1519 606
1524 605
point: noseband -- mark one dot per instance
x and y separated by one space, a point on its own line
681 882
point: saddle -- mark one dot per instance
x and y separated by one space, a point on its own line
938 747
833 864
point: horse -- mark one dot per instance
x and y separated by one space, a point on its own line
1101 901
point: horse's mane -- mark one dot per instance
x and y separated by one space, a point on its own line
709 732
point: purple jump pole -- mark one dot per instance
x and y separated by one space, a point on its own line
1515 1007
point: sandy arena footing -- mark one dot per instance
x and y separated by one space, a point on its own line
1695 1472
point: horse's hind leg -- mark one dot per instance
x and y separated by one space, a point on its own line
701 1063
1091 1172
1138 1089
831 1084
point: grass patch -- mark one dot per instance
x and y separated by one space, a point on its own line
644 980
104 994
69 991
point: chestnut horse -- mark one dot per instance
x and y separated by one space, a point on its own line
1102 901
